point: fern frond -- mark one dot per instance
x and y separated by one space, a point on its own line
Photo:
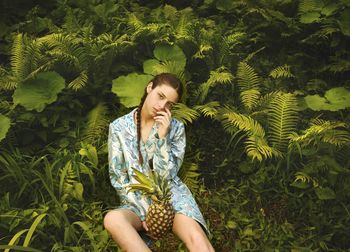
183 113
209 109
250 98
234 39
189 174
265 100
305 178
17 52
281 72
218 76
96 123
247 78
325 131
256 145
79 82
135 22
308 6
282 120
338 66
251 55
257 148
203 50
68 182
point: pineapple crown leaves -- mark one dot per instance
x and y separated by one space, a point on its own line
153 185
282 120
325 131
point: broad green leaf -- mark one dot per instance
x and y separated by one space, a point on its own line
335 99
148 66
170 53
325 193
344 22
310 17
225 5
37 93
130 88
339 97
5 124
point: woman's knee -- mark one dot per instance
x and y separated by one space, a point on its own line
199 242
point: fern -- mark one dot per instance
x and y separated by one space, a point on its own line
248 83
69 185
210 109
325 131
96 123
281 71
17 52
183 113
218 76
256 145
203 50
308 6
282 120
189 174
305 178
79 81
250 98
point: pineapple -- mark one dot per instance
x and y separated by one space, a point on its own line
160 214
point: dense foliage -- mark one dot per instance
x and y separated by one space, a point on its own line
266 110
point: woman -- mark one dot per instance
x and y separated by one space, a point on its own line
145 137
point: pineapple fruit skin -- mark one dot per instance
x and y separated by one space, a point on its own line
159 219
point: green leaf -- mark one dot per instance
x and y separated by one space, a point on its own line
335 99
225 5
78 191
300 184
339 97
5 124
130 88
310 17
344 22
37 93
170 53
325 193
149 66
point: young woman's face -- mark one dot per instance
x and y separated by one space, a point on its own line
161 97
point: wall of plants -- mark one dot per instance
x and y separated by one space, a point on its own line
266 110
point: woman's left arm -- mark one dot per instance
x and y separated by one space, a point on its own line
169 152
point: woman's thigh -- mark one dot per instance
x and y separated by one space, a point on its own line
122 217
188 229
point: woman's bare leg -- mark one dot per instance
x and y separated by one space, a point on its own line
191 233
123 225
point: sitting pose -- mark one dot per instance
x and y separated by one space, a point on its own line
149 138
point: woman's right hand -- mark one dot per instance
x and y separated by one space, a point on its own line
145 225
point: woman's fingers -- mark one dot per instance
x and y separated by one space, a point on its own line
144 225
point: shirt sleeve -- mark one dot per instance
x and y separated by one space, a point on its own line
118 172
169 153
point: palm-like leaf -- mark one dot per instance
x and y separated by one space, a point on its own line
96 124
248 80
209 109
326 131
183 113
218 76
282 120
281 71
256 145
